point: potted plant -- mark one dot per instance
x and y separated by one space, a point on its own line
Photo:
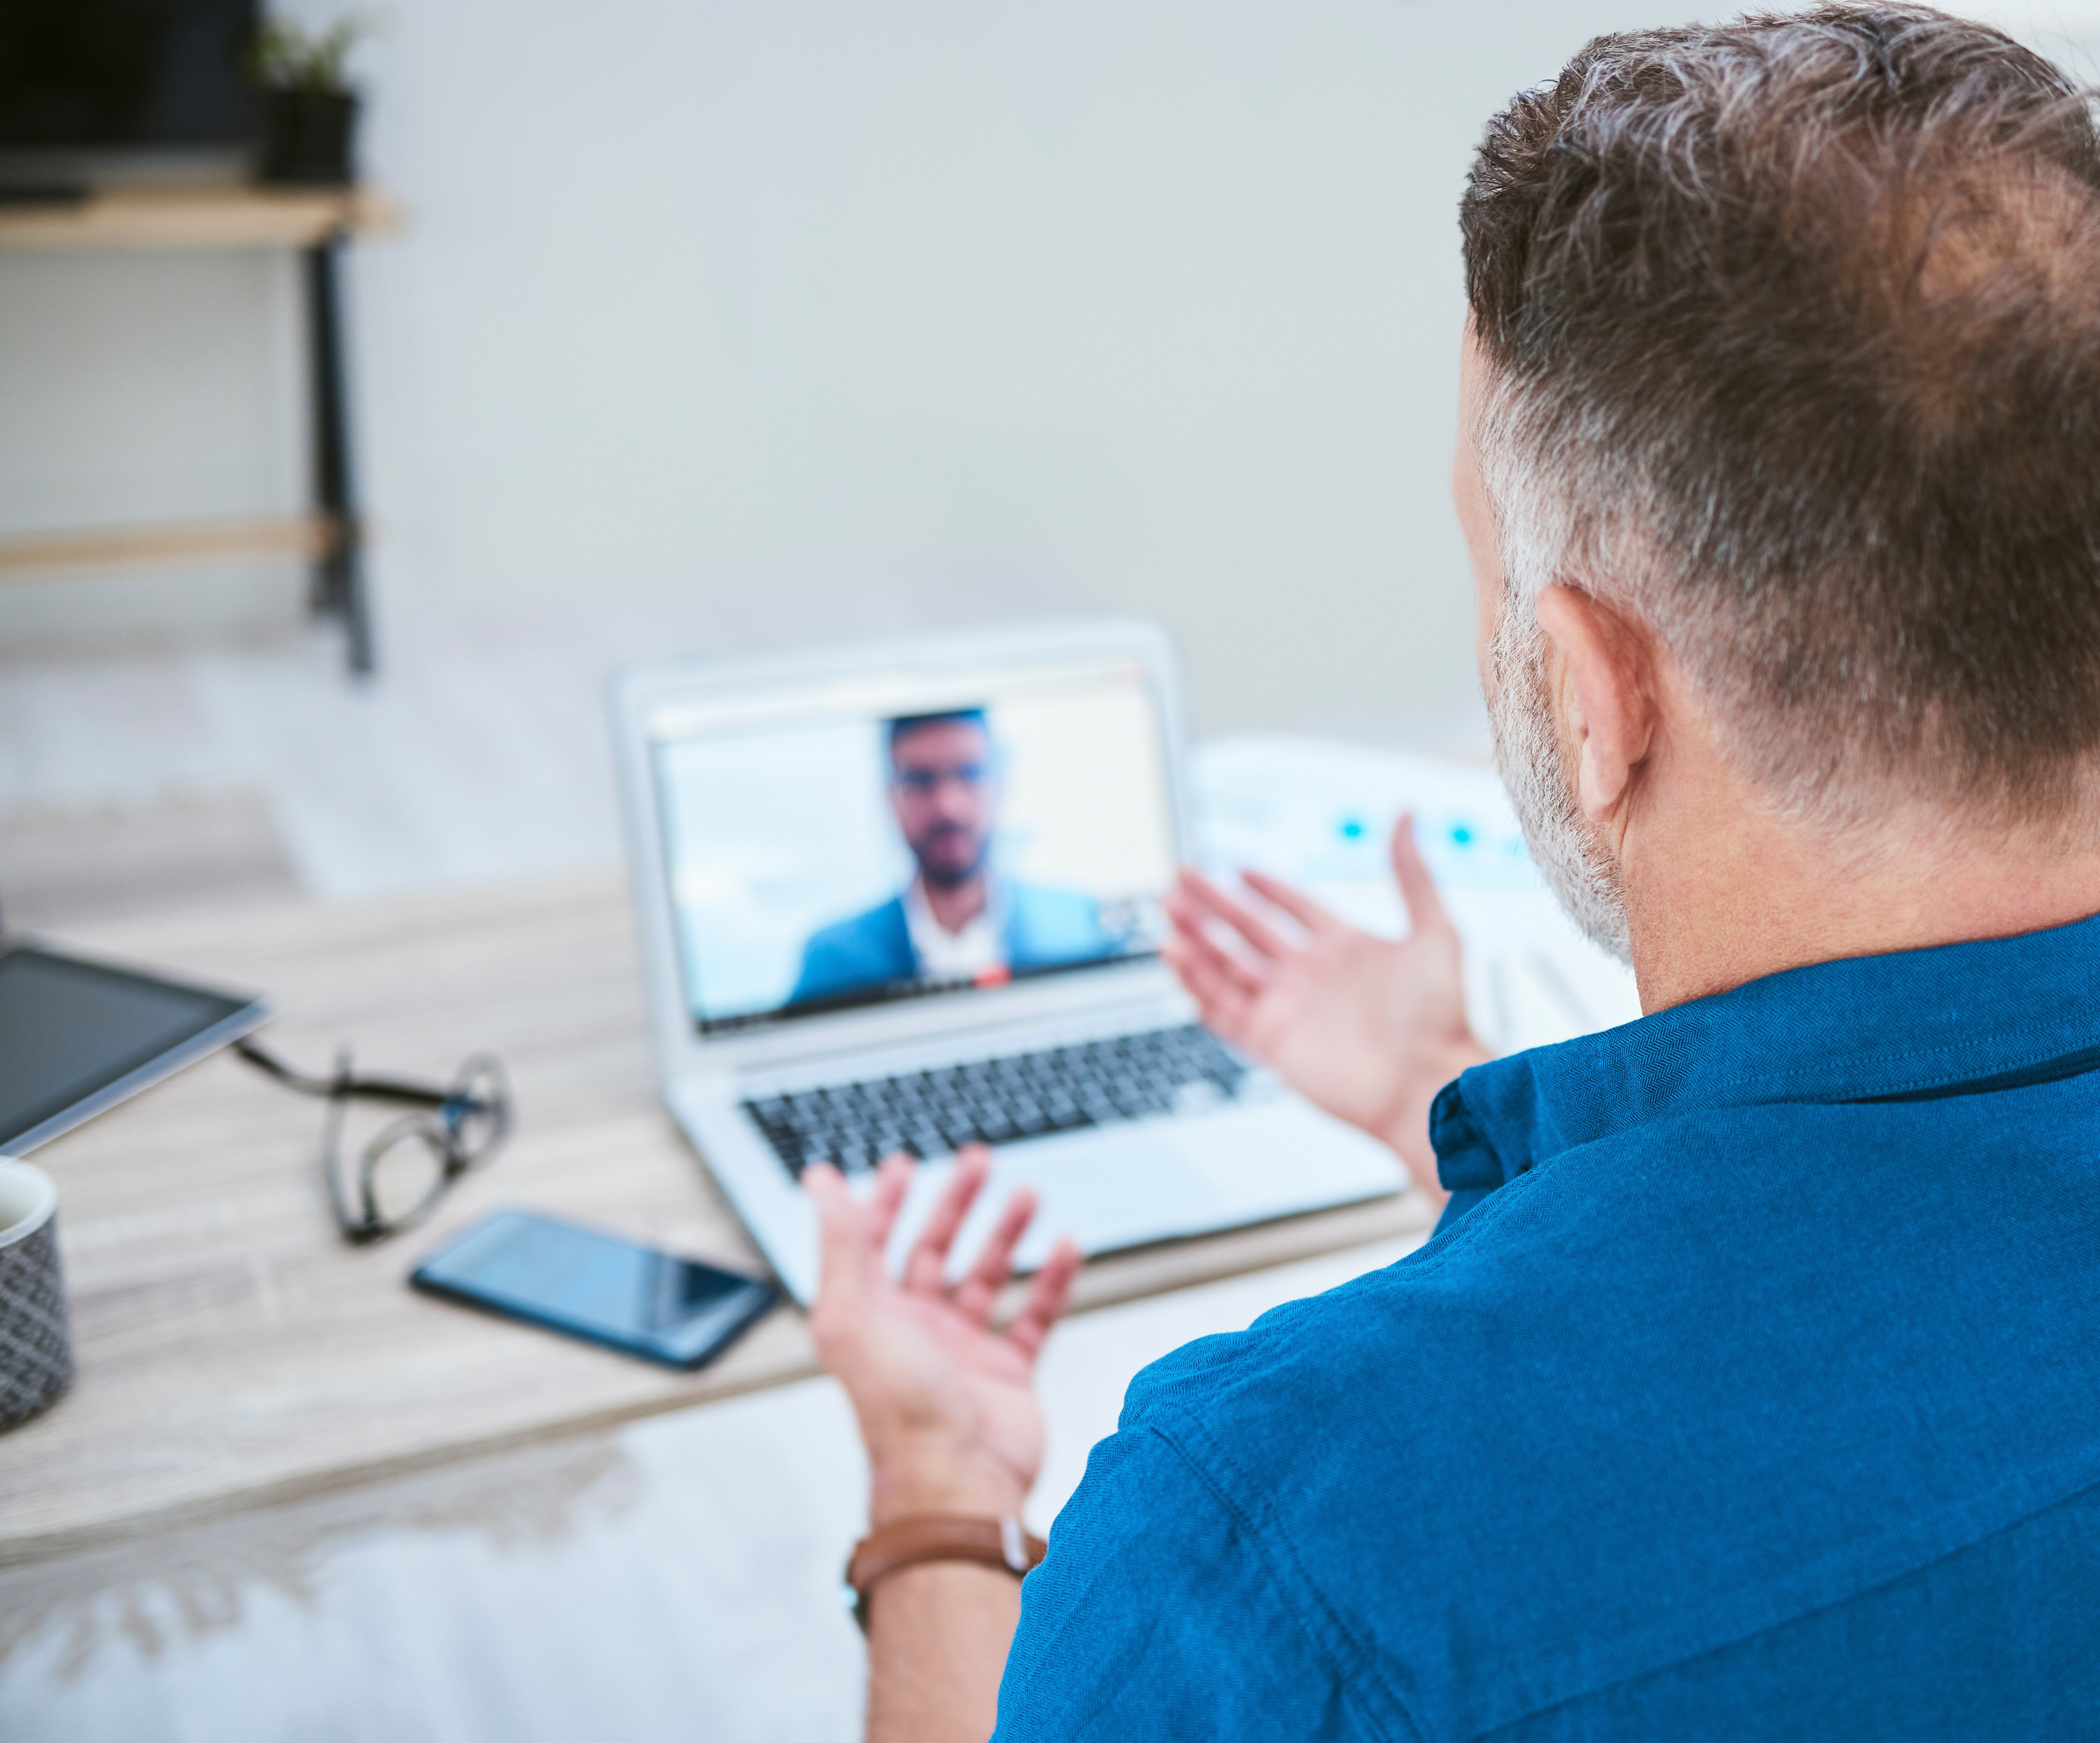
309 114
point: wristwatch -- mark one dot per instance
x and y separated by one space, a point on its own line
905 1543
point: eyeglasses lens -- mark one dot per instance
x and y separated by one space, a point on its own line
478 1115
403 1172
971 774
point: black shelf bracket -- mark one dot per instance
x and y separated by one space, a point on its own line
339 589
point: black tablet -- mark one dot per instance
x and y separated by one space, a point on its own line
77 1036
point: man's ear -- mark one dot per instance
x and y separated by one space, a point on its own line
1604 697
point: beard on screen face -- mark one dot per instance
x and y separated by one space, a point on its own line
1534 767
950 854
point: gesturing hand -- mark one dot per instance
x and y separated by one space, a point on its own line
1368 1028
947 1404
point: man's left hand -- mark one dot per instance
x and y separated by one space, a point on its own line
946 1403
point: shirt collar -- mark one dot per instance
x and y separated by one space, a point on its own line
945 955
1989 1014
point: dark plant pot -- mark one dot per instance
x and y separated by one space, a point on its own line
309 138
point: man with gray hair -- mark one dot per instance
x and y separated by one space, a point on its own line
1750 1386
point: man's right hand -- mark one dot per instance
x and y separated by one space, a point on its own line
1368 1028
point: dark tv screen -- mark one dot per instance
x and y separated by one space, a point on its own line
125 74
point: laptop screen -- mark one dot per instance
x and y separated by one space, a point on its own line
880 837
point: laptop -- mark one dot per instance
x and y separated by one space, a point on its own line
906 895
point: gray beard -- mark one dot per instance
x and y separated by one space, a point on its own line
1527 756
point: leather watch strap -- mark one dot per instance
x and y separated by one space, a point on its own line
907 1543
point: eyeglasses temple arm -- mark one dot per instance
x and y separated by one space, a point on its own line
273 1066
373 1089
393 1089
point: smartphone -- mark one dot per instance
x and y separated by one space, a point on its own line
598 1287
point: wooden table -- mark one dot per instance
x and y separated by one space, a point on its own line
234 1352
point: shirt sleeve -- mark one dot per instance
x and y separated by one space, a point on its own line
1154 1616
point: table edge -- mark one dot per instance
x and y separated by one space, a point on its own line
1113 1280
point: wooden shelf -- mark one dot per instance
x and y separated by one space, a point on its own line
311 221
203 218
26 556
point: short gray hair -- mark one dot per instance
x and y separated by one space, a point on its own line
1793 335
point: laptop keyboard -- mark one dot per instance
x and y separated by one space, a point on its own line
1000 1101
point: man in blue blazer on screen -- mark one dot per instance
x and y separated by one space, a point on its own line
957 921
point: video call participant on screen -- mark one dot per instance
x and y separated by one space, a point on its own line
958 920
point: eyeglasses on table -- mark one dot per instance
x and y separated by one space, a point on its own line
399 1174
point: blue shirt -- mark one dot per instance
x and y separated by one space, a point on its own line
1751 1389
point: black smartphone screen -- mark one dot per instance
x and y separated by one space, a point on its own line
596 1287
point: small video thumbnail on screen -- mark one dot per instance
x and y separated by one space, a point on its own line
824 863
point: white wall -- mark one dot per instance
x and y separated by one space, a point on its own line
1157 299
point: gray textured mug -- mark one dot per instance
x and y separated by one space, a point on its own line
36 1348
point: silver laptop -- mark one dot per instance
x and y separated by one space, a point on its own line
906 895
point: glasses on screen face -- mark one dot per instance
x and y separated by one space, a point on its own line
389 1175
929 780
